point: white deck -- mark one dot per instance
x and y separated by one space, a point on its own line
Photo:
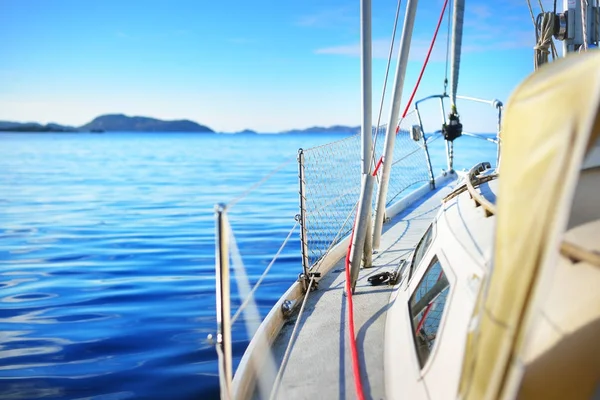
320 366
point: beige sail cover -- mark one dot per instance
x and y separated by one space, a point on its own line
551 121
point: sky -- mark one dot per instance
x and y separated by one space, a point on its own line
266 65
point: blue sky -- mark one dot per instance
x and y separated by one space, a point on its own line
263 64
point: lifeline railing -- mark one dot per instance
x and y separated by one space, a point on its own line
330 186
228 259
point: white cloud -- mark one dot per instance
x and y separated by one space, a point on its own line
330 17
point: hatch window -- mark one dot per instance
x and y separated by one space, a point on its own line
426 307
421 249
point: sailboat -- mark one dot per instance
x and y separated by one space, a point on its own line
475 285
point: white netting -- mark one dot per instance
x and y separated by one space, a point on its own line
332 184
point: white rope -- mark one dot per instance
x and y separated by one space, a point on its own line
584 24
597 21
533 19
543 32
531 12
288 349
597 15
262 277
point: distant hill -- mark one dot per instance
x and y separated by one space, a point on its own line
246 132
124 123
350 130
110 123
8 126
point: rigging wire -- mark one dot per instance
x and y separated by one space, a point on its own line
531 13
387 70
584 24
447 50
251 314
412 96
437 29
250 295
259 183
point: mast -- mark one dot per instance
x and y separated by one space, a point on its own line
390 136
363 218
452 128
458 13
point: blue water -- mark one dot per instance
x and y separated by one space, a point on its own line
107 255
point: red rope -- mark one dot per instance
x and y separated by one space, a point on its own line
353 350
414 92
377 166
437 28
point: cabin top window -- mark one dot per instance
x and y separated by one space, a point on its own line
421 249
426 308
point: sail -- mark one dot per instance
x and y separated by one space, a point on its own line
552 119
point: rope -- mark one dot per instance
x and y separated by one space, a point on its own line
584 24
437 28
288 349
259 183
531 12
597 21
387 70
554 53
447 52
266 271
353 350
412 95
543 35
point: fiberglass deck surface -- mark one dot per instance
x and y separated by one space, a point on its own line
319 365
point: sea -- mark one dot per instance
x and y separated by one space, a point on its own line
107 254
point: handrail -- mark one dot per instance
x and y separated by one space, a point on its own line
489 208
463 188
495 141
578 253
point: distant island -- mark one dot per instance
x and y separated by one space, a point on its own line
6 126
124 123
350 130
111 123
